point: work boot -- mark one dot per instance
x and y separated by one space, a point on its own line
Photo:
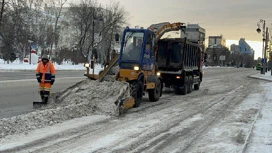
45 100
42 97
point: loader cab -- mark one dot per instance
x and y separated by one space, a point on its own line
137 49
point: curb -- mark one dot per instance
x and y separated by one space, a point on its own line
264 79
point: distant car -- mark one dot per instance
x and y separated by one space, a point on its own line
25 60
258 66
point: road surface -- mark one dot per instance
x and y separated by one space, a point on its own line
19 89
217 118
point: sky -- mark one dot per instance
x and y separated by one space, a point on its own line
234 19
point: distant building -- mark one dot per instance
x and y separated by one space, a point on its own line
217 41
242 54
196 33
218 53
235 48
244 47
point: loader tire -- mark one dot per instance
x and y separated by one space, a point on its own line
137 92
155 94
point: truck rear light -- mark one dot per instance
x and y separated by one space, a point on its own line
178 77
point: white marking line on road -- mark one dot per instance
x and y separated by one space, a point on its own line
8 81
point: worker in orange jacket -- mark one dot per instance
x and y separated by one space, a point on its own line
45 74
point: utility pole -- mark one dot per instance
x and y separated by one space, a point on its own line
265 38
30 41
92 43
265 48
30 54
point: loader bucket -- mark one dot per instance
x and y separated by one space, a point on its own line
125 104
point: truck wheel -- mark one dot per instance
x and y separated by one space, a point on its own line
154 94
184 90
137 92
196 86
190 84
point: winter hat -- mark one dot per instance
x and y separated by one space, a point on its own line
45 57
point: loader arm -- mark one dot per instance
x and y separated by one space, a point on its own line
166 27
108 68
104 72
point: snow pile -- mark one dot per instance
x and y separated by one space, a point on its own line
101 96
17 65
85 98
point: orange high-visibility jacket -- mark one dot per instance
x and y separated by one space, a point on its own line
45 72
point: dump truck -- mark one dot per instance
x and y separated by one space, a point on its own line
180 64
137 61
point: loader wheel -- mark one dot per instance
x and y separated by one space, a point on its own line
137 92
190 84
154 94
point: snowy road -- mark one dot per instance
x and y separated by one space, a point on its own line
19 89
217 118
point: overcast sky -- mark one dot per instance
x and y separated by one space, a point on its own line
234 19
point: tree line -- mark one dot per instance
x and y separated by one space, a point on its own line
231 58
63 31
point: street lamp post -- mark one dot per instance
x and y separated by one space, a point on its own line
94 18
30 41
265 38
265 48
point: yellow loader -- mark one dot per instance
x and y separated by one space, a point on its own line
137 63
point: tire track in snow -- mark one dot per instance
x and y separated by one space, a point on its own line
145 140
190 134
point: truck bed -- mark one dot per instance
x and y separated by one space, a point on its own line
177 54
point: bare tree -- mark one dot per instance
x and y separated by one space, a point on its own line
91 19
82 17
23 20
2 12
248 60
56 9
24 16
114 16
12 29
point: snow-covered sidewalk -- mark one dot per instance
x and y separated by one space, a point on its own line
261 138
17 66
267 76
